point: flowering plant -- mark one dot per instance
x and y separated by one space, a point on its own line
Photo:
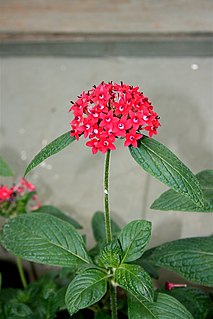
112 110
14 199
119 268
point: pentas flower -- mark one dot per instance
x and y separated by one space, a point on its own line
170 285
5 193
109 111
11 197
23 186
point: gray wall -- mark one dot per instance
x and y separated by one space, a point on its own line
35 95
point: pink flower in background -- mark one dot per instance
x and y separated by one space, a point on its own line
23 192
5 193
24 186
109 111
169 285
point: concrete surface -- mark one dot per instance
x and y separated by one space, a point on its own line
95 16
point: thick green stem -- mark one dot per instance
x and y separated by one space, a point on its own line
106 198
21 272
113 299
113 293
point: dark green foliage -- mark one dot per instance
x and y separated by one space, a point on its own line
171 200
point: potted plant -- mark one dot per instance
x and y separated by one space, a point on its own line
115 278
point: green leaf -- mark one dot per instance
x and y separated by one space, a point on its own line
52 148
15 310
7 294
44 239
54 211
4 168
135 281
171 200
160 162
164 307
98 227
196 301
168 307
86 289
138 309
148 267
133 238
205 178
191 258
110 255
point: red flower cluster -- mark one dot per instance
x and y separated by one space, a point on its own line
111 111
10 196
5 193
22 187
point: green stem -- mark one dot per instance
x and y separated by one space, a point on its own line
106 198
113 293
113 299
21 272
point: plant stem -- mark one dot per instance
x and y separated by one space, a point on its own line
106 198
21 272
113 293
113 299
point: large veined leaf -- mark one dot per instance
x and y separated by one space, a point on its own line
171 200
135 281
4 168
44 239
164 307
52 148
86 289
138 309
134 238
160 162
54 211
169 307
196 301
191 258
148 267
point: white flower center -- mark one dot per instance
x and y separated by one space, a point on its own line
121 126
